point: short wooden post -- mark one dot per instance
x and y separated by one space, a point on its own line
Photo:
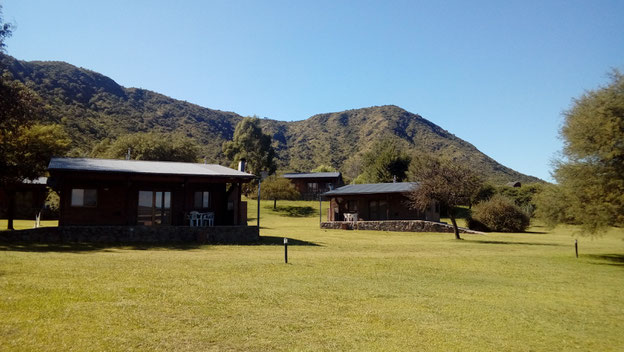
576 247
285 250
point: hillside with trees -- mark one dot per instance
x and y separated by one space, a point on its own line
93 108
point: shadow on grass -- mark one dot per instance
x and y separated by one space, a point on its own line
91 247
518 243
294 211
272 240
608 259
85 247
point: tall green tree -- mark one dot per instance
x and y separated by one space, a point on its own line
275 187
590 175
324 168
251 144
384 162
443 181
25 146
150 146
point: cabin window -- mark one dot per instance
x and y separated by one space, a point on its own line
313 187
352 206
81 197
202 200
372 209
154 208
378 209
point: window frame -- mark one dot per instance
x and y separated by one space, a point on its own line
83 198
205 200
160 214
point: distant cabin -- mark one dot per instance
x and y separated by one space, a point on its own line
375 202
514 184
146 193
30 196
313 184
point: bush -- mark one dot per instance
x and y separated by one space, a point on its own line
499 214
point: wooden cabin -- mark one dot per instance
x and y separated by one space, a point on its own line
150 193
375 202
313 184
30 197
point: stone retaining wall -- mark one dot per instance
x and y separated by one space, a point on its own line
394 225
135 234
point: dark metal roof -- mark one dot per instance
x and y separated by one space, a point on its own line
144 167
372 188
312 175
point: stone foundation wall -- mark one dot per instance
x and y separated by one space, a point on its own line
135 234
394 225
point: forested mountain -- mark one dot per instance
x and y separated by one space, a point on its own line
92 107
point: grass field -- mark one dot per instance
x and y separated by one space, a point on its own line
27 224
342 290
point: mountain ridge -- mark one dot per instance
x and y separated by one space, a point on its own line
93 107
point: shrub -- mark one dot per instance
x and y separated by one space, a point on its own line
499 214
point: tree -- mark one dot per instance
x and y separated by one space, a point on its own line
251 144
25 147
274 187
590 174
484 193
522 196
325 168
150 146
443 181
551 205
500 214
384 162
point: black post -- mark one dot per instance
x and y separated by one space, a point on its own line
259 182
285 250
576 247
11 210
320 209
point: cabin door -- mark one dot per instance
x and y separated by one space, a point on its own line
154 208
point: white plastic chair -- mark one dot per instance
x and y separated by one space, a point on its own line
194 218
207 219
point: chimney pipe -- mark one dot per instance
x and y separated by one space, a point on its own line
241 165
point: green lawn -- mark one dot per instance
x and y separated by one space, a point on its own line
342 290
27 224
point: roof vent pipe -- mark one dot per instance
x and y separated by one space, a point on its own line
393 178
241 165
128 154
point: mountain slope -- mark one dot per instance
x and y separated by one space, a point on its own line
93 107
341 138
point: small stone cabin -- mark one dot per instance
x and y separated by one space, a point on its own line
375 202
108 192
313 184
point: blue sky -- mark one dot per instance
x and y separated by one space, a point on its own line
498 74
